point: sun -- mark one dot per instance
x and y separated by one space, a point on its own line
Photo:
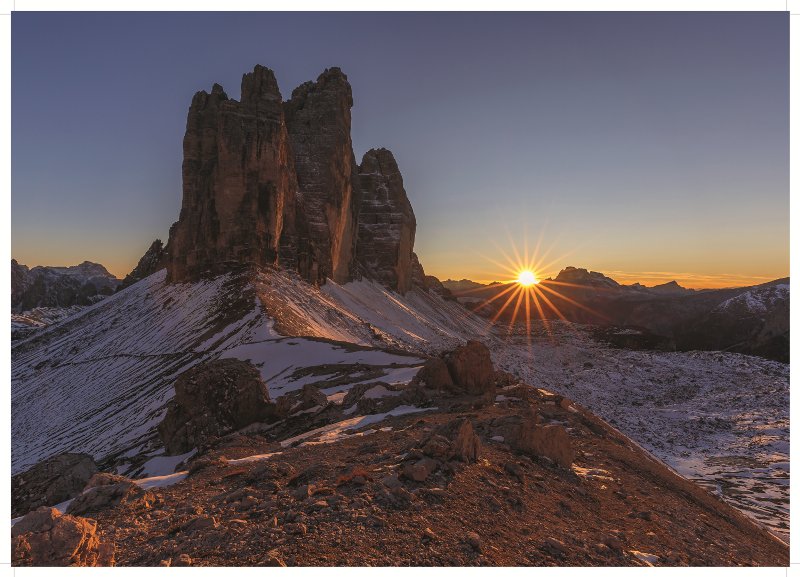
527 278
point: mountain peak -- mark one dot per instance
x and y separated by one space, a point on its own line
669 287
272 183
582 276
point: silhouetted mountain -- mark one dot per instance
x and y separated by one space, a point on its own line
52 286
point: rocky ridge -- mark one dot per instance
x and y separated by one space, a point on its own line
59 287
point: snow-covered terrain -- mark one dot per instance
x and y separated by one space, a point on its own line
757 301
719 418
99 381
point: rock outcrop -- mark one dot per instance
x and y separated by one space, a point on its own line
318 121
151 262
104 491
467 369
51 482
47 538
523 433
267 182
386 225
239 183
471 368
211 400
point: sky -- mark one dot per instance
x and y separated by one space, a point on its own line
648 146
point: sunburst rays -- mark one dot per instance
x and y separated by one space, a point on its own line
529 294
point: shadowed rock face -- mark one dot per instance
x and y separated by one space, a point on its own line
267 182
152 261
50 482
239 183
213 399
318 120
386 226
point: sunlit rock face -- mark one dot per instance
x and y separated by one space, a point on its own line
267 182
386 225
239 183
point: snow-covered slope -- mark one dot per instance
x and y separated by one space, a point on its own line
757 301
99 380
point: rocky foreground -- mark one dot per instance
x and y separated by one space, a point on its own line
487 471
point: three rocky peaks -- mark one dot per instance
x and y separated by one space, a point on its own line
268 182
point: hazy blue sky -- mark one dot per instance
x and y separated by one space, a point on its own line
648 146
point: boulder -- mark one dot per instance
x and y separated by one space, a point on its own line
524 434
466 444
552 441
471 368
436 375
420 470
311 397
45 537
51 482
211 400
104 494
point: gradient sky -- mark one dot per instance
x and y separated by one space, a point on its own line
647 146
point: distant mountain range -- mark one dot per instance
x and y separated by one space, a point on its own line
751 320
59 286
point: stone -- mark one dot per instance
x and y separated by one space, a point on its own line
105 496
296 528
553 442
311 396
473 540
45 537
51 482
420 470
274 559
436 375
239 183
391 482
182 560
437 446
466 444
103 479
471 369
211 400
386 222
555 546
523 433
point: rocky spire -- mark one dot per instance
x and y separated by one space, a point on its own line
272 183
318 120
239 183
151 262
387 225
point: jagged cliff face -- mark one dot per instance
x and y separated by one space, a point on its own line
386 225
151 262
239 184
267 182
318 120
